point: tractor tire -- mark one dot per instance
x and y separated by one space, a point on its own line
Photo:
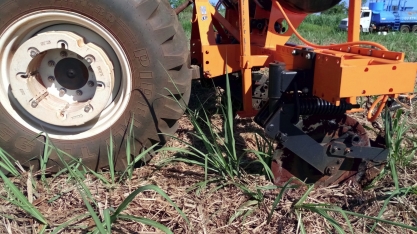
405 29
414 29
85 75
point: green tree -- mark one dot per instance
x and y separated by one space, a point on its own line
340 8
176 3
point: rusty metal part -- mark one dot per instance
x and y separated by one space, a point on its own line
286 164
260 94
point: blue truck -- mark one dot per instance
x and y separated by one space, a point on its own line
386 15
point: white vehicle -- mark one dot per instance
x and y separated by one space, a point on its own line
365 21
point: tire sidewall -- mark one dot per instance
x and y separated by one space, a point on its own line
135 34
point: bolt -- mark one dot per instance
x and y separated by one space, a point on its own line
347 150
308 56
62 91
294 52
34 104
64 54
51 79
90 83
329 170
338 162
271 127
51 63
87 108
33 53
89 58
334 149
79 92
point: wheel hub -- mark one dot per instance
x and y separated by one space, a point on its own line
57 72
71 73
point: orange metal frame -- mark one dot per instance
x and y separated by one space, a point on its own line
340 71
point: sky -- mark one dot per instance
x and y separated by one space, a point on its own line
412 3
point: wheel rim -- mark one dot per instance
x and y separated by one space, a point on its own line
35 26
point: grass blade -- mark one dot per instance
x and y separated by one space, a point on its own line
147 222
93 214
130 198
370 217
278 199
244 208
300 224
107 220
69 222
21 200
6 164
304 197
110 155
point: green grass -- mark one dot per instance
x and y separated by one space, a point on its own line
323 30
224 167
219 155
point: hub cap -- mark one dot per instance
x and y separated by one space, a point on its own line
64 76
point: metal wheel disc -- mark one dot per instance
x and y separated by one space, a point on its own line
324 129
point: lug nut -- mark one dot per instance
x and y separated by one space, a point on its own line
34 104
33 53
51 63
90 83
89 58
79 92
51 79
62 91
64 54
87 108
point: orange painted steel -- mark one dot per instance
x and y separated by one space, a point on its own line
383 101
354 20
342 71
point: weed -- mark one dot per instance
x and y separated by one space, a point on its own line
18 199
6 163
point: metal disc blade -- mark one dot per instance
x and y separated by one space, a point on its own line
324 129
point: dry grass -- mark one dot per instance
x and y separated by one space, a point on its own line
209 210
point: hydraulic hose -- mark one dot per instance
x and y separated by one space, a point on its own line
383 99
381 47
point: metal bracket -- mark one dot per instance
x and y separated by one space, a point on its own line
338 148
